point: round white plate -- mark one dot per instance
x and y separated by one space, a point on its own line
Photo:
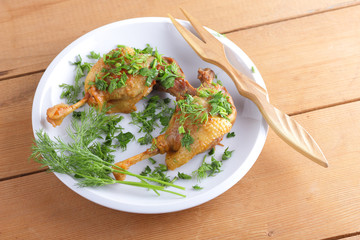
250 128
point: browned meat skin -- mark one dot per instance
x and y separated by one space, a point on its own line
181 86
121 99
205 135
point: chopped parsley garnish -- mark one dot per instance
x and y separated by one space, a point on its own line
230 135
227 154
183 176
71 91
124 139
100 83
94 55
252 69
197 187
190 110
187 140
158 173
220 105
157 109
167 76
131 62
153 161
207 169
150 75
212 151
219 101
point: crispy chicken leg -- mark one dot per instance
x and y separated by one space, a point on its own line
206 128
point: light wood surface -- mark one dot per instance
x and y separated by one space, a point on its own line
212 50
308 53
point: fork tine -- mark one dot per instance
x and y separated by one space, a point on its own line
192 40
204 34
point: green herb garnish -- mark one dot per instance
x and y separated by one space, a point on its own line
230 135
212 151
71 91
153 161
94 55
187 140
78 158
208 169
252 69
227 154
147 120
183 176
220 105
197 187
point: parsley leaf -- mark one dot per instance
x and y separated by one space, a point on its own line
208 169
124 139
230 135
227 154
183 176
94 55
71 92
187 140
220 105
197 187
155 109
150 75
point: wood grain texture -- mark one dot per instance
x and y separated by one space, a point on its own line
283 196
308 54
321 52
37 30
305 84
15 125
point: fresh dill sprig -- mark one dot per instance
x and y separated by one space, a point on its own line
77 157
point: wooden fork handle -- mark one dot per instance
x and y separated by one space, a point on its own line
282 124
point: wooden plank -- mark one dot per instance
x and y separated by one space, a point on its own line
15 125
309 62
284 196
36 31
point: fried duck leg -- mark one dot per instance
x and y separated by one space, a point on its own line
124 98
204 134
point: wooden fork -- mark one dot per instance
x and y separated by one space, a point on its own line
211 50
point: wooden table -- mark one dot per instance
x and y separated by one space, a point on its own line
308 53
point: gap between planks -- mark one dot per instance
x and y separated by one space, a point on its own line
343 236
23 74
23 175
314 12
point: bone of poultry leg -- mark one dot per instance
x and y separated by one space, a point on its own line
57 113
124 165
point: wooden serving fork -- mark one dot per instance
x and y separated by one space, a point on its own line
211 50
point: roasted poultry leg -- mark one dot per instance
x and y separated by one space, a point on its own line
118 82
198 124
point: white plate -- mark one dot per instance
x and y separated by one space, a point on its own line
250 127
